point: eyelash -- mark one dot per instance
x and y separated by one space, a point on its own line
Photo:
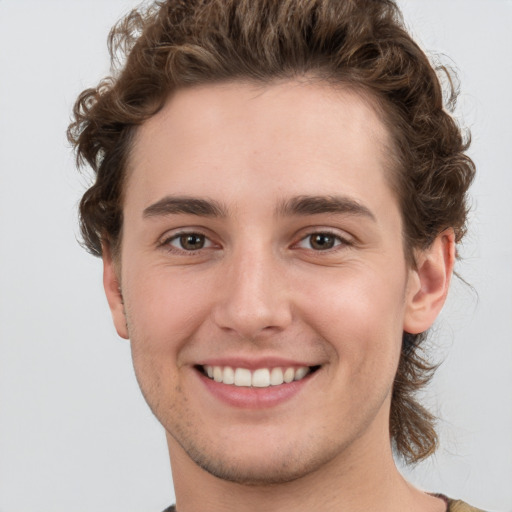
339 242
167 242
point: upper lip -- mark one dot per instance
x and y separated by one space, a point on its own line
253 363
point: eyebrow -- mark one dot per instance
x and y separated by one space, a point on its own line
188 205
299 205
313 205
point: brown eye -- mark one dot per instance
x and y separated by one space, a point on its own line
184 242
191 241
322 241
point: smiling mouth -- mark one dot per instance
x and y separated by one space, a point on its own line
259 378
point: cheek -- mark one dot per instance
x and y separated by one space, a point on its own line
163 310
359 311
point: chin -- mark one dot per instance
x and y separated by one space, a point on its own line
254 473
263 465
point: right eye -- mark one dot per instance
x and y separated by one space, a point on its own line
323 241
188 242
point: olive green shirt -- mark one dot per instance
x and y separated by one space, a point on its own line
460 506
452 506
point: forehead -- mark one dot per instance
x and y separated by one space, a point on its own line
294 135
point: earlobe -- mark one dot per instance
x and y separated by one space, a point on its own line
429 283
112 286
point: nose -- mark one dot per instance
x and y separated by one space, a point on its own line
253 295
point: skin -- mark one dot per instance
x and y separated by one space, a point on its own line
258 289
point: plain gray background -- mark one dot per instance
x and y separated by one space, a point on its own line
75 434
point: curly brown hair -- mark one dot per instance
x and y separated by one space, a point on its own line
361 44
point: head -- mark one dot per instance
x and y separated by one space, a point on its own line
356 48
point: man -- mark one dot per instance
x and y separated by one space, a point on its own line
278 198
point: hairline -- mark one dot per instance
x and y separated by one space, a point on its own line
391 160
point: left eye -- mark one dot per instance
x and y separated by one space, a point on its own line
189 241
320 241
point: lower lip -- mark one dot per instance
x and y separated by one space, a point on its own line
252 397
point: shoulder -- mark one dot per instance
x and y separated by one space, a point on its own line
460 506
453 506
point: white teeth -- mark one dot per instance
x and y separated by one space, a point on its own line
276 377
217 374
301 373
242 377
228 376
289 375
260 378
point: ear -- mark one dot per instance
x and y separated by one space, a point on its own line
112 285
429 283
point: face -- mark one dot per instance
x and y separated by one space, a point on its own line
263 277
